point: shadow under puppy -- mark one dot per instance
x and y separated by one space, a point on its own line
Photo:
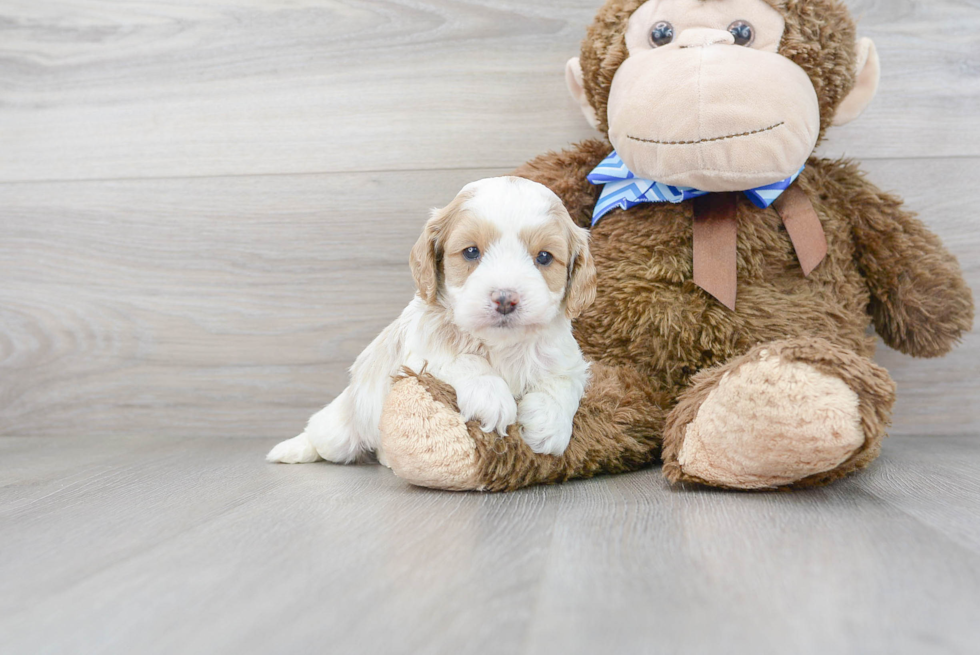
500 271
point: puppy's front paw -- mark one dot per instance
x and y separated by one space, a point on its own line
545 425
487 399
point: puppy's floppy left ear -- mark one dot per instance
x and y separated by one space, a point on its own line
426 257
581 288
424 260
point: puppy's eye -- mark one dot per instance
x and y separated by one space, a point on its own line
743 32
544 258
661 34
471 254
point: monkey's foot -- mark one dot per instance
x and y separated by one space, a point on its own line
424 439
801 412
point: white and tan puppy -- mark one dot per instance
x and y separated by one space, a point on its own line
500 272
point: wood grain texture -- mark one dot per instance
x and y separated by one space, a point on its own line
163 546
106 89
194 307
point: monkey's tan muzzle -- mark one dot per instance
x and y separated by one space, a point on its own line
704 113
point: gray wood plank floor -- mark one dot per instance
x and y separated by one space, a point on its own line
162 545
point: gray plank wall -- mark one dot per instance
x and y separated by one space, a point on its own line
206 206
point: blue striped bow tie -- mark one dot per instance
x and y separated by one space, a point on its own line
623 189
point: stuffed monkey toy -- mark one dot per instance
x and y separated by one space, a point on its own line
737 272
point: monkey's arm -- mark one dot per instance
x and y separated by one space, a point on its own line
565 173
920 303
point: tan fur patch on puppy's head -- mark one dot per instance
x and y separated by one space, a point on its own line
572 267
550 237
468 231
427 253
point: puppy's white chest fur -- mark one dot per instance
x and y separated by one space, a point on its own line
524 365
523 359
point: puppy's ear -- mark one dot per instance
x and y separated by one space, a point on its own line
424 259
581 274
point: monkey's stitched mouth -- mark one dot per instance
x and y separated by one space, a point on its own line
717 138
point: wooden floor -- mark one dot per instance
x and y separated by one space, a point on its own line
206 208
137 545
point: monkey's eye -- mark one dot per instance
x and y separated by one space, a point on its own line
471 254
544 258
743 32
661 34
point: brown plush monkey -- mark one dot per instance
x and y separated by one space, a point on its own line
728 339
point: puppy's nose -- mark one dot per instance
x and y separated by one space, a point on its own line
506 300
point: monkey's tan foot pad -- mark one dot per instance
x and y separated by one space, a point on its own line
791 413
424 439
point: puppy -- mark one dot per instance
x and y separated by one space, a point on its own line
500 271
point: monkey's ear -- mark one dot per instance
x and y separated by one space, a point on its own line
865 87
573 78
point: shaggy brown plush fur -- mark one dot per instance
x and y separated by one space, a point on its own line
662 345
617 429
871 383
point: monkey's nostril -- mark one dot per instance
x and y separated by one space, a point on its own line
506 301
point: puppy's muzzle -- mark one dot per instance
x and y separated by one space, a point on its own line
505 300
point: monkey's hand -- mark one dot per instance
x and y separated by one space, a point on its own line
920 303
924 310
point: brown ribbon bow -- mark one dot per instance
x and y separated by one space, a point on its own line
715 239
